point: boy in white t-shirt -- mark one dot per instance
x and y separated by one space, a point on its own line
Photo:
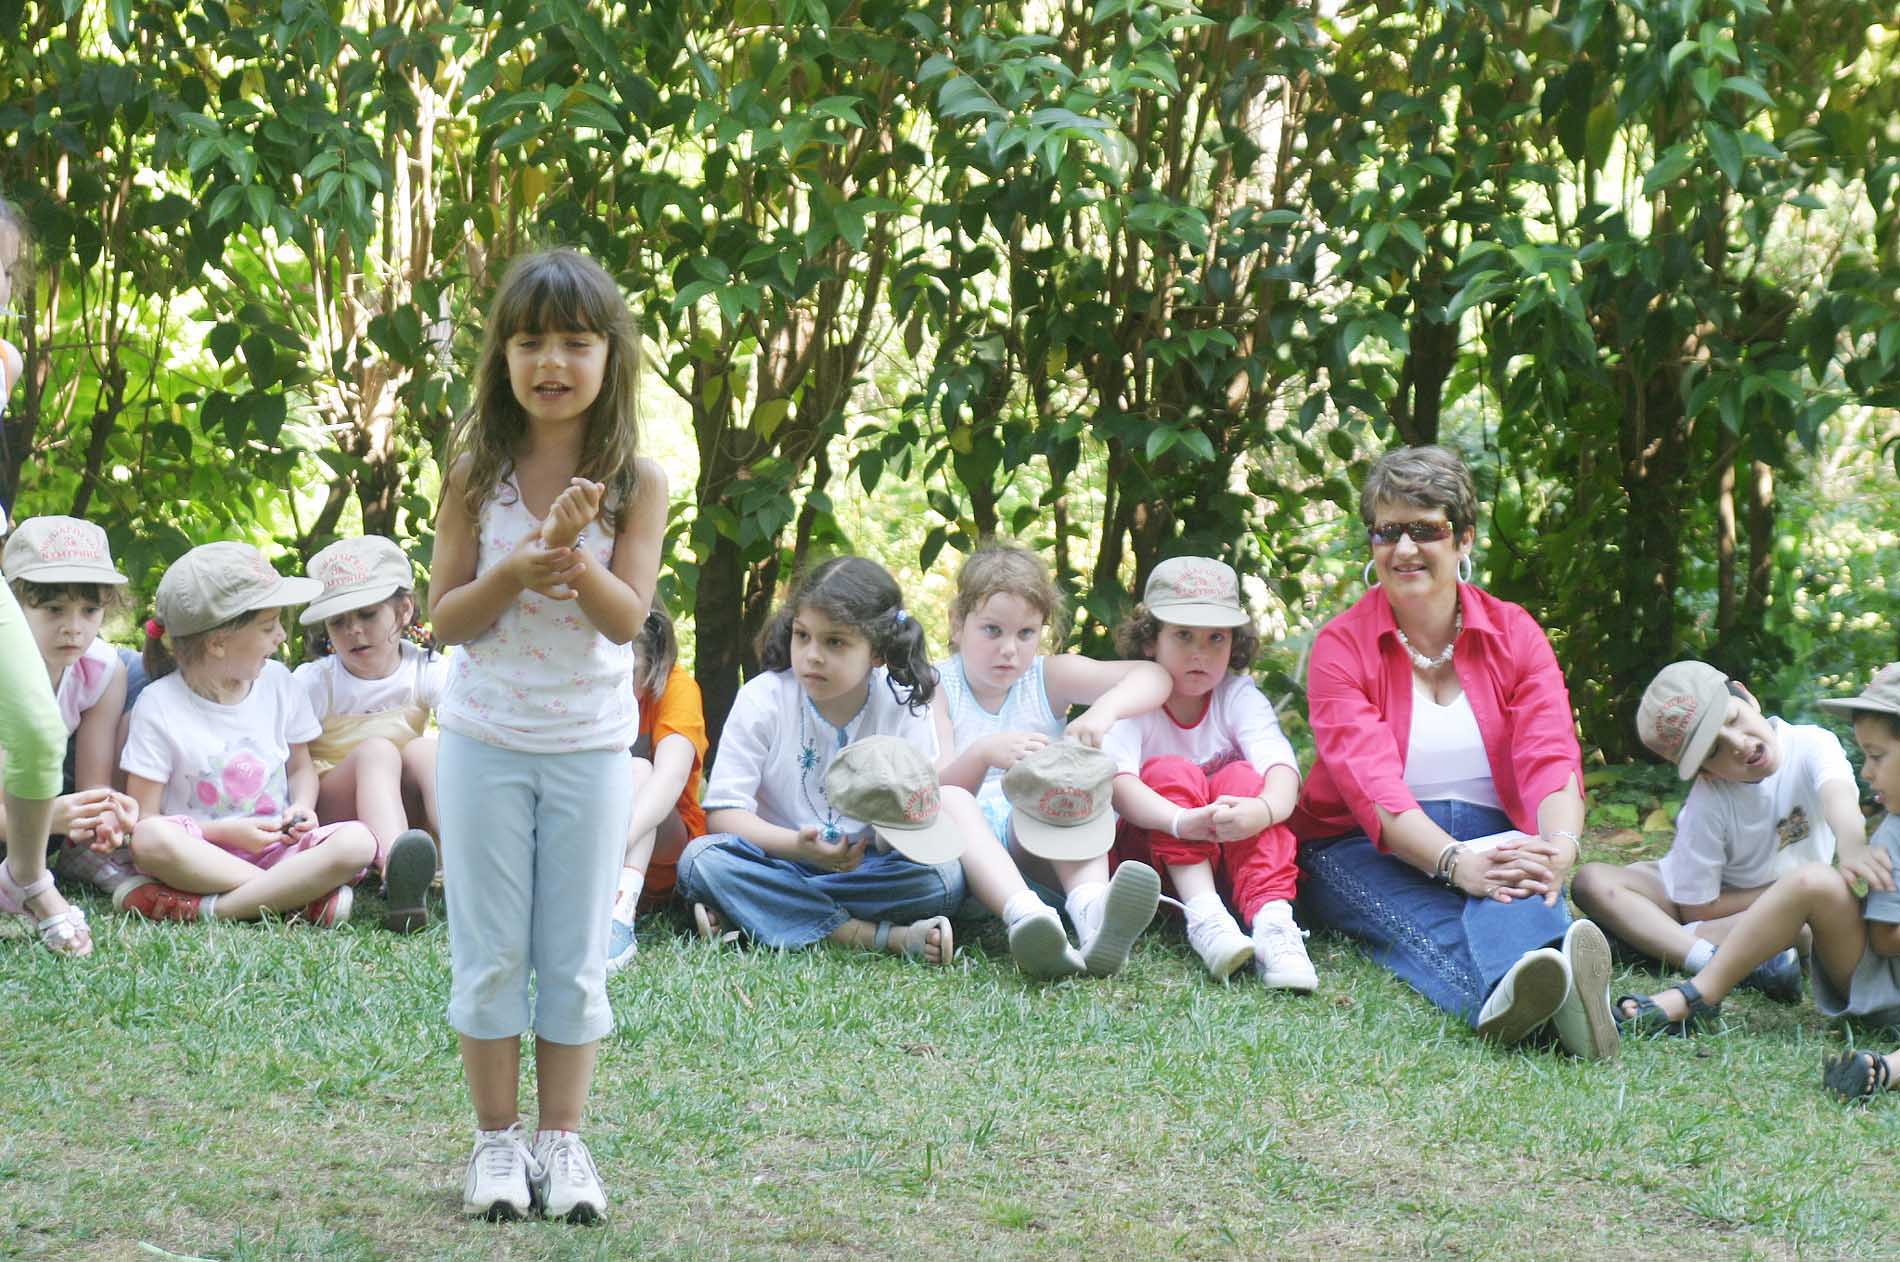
1768 796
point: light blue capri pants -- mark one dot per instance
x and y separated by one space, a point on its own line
31 730
531 849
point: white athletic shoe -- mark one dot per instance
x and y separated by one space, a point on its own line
565 1180
1219 942
1279 950
497 1184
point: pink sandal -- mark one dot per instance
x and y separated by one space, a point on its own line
63 932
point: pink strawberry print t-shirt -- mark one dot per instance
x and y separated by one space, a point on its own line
219 761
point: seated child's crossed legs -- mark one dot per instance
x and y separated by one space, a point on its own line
175 851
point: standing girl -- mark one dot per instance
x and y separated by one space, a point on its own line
1003 699
539 711
666 813
373 691
60 569
1205 783
844 660
218 757
31 734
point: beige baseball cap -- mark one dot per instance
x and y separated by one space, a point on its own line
1682 712
59 550
356 573
1059 799
215 582
1880 696
888 783
1195 592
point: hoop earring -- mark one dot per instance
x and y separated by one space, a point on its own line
1465 568
1366 574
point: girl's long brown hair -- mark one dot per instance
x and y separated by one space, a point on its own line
554 291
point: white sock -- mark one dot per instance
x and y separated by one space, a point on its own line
632 881
1020 904
208 907
1204 907
1084 905
1699 955
1279 909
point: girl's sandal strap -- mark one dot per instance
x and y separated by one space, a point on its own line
66 933
14 896
881 940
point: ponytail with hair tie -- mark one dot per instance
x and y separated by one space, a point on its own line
154 629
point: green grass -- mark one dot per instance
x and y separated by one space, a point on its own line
250 1093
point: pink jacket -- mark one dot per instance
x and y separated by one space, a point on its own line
1359 701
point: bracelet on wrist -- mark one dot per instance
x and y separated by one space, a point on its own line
1565 834
1445 870
1174 825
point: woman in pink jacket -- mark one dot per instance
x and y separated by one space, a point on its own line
1442 721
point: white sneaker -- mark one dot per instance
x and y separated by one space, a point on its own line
497 1186
1118 917
1219 942
565 1180
1279 950
621 943
1528 996
1584 1023
1040 946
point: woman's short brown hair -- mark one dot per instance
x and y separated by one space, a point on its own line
1430 477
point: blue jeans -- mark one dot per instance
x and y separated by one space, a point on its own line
784 904
1446 945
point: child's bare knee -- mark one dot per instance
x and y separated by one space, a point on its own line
378 751
155 841
350 848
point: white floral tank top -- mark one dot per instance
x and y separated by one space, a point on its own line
541 680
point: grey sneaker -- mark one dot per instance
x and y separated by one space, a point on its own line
1528 996
1584 1023
1123 911
1778 977
497 1184
565 1180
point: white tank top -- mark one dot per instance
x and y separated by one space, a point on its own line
1445 757
1025 708
541 680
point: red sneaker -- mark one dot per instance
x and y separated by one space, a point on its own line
143 896
329 911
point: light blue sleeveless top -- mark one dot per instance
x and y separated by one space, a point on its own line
1025 708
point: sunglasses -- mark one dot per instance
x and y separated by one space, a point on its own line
1387 533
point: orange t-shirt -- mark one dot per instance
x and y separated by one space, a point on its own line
679 709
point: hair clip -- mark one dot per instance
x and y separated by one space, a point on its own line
902 616
154 629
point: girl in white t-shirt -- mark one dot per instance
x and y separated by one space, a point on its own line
1001 699
1205 784
844 660
373 692
218 757
60 569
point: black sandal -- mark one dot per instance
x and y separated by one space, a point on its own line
1649 1018
1846 1075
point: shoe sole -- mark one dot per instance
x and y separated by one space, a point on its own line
1224 968
1040 947
1133 894
582 1215
1537 992
617 962
499 1212
1302 984
1585 1024
406 877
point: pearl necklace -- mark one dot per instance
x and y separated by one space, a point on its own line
1423 662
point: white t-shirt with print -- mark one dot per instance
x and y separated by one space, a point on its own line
1239 725
775 748
219 761
331 689
1743 836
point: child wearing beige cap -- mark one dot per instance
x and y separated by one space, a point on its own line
1856 953
1205 784
373 692
61 571
218 757
1768 796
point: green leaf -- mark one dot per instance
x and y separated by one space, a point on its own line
962 96
1672 166
1160 439
1726 150
1749 88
